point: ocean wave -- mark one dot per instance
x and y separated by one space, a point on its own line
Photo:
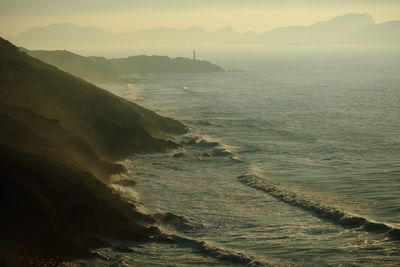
185 88
219 253
316 205
178 153
126 191
201 247
178 222
163 235
207 123
221 151
160 234
208 145
199 141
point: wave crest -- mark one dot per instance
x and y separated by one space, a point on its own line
180 223
316 206
220 253
199 141
208 146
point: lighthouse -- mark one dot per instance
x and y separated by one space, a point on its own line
194 55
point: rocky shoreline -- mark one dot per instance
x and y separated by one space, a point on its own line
60 138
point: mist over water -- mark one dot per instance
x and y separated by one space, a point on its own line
305 135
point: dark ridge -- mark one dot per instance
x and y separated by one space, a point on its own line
58 140
50 209
65 145
112 126
162 64
103 70
320 210
77 65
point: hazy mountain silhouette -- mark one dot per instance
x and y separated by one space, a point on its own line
388 32
332 31
341 29
62 35
70 36
58 140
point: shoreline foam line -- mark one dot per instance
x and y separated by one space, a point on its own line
332 214
219 253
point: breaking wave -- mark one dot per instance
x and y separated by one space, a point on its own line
207 145
178 222
316 206
219 253
202 141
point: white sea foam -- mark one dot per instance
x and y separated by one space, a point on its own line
319 205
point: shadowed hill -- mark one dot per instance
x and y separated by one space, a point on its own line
114 127
162 64
36 134
100 69
77 65
53 209
58 137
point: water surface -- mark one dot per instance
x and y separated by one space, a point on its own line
272 150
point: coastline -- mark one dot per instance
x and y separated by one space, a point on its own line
103 180
298 202
168 227
62 138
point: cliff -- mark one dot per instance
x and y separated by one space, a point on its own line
59 138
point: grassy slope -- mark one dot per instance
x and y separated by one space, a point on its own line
77 65
58 134
111 125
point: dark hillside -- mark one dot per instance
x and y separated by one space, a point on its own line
162 64
77 65
59 137
112 126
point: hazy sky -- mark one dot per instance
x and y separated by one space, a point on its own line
125 15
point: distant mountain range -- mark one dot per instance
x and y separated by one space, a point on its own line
388 32
334 30
69 36
101 69
348 28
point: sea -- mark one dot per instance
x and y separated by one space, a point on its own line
292 158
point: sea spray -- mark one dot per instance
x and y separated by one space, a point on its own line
207 145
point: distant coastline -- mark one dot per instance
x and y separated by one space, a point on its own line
101 69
